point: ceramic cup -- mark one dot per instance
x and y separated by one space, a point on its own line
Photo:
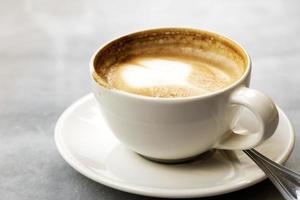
174 129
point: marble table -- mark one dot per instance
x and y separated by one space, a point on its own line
45 48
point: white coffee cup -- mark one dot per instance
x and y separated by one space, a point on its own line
173 129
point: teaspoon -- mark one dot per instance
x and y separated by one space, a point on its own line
285 180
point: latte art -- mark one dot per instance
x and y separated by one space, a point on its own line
169 76
169 63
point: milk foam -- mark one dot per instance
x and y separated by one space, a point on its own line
168 77
156 72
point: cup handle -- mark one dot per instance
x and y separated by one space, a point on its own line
264 110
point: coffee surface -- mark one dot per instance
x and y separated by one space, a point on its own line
170 76
169 63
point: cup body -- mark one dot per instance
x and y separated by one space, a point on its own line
170 129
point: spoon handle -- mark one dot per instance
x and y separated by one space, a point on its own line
285 180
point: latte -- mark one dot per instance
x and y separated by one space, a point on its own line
172 64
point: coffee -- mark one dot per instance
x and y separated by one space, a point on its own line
174 69
170 63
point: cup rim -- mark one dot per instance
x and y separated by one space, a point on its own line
177 99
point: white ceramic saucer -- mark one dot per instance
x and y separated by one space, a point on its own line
87 144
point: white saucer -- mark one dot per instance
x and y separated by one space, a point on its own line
87 144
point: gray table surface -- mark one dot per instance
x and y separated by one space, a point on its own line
45 48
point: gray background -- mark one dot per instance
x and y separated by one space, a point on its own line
45 48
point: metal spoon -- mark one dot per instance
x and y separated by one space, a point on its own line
285 180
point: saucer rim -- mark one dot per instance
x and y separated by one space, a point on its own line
155 191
